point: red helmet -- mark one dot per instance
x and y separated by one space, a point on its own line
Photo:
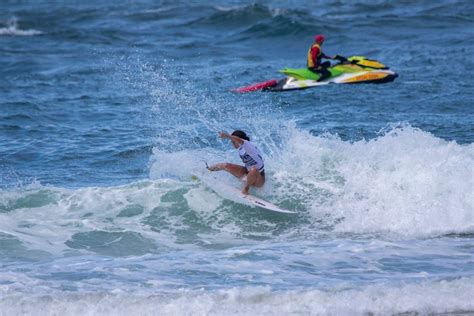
319 38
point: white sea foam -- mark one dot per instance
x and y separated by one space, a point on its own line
45 218
453 296
406 181
13 29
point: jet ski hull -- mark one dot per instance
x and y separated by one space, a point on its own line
291 83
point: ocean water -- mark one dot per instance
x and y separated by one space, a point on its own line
106 110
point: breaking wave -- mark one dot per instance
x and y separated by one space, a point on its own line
12 28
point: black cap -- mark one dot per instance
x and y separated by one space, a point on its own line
240 134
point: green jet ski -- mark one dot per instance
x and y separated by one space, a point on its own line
356 69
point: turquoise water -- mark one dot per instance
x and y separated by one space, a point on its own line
108 109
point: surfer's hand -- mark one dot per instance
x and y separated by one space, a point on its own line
224 135
215 167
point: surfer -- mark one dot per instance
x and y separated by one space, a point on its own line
315 55
251 157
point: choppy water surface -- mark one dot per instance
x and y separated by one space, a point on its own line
107 110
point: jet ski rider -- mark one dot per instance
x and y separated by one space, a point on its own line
251 157
315 55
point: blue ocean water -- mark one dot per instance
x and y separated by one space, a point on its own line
107 109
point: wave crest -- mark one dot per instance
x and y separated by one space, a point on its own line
13 29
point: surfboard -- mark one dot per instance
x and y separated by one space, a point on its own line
233 194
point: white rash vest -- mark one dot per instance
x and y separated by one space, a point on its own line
251 156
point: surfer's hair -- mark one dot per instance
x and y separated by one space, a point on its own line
240 134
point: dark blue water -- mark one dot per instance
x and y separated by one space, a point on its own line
107 110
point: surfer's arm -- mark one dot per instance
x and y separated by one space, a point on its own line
217 167
236 139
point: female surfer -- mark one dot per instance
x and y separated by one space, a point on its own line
251 157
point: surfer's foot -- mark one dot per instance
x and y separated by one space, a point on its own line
245 190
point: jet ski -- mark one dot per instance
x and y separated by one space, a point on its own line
355 69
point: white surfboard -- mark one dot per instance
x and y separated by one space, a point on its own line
233 194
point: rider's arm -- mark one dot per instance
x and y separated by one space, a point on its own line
315 52
327 57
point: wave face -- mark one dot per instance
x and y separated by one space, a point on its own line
107 110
